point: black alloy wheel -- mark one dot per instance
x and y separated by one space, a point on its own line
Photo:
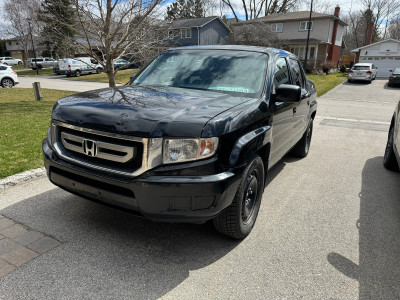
238 219
389 159
250 197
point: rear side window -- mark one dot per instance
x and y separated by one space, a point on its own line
3 68
297 73
396 71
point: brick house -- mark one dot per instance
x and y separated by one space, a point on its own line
326 34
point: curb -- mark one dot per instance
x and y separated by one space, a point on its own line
19 178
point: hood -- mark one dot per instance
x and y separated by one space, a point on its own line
144 111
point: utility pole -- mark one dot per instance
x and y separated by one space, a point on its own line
33 48
308 37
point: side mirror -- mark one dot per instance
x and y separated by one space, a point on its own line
288 93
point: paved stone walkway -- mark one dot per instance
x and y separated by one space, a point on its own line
19 245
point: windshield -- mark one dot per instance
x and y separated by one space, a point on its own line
218 70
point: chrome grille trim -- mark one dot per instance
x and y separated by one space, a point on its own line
152 150
127 153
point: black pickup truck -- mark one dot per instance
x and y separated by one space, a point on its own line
189 139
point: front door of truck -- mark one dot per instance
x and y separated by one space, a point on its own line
282 115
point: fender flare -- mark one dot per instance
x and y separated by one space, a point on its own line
250 142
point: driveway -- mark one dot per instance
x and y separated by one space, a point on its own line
60 82
328 228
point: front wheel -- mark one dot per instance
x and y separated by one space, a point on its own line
77 73
20 63
389 159
238 219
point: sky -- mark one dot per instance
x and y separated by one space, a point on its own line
319 6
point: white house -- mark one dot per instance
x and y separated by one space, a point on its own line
384 54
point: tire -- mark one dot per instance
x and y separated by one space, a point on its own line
303 146
389 159
349 80
77 73
389 84
238 219
40 67
98 70
7 83
19 63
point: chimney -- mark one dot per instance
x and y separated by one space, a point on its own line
331 47
337 11
370 30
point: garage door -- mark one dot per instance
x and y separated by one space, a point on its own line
384 64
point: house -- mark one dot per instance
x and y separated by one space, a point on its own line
200 31
15 49
384 54
326 33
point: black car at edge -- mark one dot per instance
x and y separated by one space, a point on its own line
189 139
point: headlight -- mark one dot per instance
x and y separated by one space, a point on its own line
180 150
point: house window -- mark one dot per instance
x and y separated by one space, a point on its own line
186 33
304 25
300 52
276 27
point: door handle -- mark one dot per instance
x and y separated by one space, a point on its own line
294 110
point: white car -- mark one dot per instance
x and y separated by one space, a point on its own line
11 61
8 77
363 71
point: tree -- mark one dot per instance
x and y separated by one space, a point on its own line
108 29
2 48
394 28
254 9
22 17
257 33
185 9
56 35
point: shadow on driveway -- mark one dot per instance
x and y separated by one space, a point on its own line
378 271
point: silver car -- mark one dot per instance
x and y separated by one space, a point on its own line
363 71
42 62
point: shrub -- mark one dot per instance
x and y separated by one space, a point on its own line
326 67
343 69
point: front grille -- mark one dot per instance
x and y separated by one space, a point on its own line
99 150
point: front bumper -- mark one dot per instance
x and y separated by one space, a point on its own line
192 199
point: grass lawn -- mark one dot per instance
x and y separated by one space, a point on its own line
328 82
23 126
46 71
18 67
122 76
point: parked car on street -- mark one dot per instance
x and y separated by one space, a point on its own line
394 77
363 71
11 61
189 139
78 66
42 62
120 63
8 77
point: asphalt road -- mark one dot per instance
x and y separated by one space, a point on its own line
60 82
328 228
